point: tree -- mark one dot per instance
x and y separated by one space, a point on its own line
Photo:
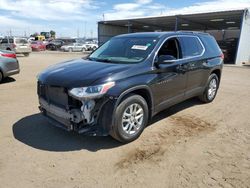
52 33
34 34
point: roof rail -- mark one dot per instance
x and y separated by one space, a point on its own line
192 32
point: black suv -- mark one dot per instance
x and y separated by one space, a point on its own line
119 87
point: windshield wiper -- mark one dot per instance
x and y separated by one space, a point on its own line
101 60
90 59
104 60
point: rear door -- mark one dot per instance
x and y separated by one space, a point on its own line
195 64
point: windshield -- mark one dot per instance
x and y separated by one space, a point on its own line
124 50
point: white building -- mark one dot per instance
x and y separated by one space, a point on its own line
230 28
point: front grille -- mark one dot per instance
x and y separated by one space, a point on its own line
53 94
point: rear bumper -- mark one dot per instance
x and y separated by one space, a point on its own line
23 50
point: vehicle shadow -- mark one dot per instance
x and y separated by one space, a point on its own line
36 132
20 55
174 109
8 80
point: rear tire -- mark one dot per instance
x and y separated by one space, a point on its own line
211 89
26 54
131 117
70 50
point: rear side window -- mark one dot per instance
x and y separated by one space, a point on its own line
212 48
5 41
21 41
190 46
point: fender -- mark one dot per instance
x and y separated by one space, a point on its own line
124 93
134 89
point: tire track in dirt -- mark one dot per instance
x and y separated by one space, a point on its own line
178 128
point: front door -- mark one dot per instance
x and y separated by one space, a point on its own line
171 79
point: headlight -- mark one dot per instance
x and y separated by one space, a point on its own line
91 91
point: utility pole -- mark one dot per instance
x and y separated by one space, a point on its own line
85 29
77 32
91 33
176 23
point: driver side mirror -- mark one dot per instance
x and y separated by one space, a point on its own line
165 59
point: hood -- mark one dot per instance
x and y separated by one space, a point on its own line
79 73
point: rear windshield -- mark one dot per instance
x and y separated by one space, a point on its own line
21 41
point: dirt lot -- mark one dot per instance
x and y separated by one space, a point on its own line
188 145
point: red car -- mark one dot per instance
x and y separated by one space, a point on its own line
38 46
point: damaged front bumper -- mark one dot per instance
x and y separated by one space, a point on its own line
93 118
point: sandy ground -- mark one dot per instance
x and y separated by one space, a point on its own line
188 145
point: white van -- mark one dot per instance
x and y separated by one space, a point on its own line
17 44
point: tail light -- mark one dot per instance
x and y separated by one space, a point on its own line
13 45
222 56
9 55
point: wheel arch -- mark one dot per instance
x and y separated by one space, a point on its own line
217 72
142 90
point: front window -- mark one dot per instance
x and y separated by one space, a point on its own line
125 50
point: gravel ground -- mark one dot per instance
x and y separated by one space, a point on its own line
188 145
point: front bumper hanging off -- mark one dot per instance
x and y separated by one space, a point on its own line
74 119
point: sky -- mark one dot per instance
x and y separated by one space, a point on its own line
79 17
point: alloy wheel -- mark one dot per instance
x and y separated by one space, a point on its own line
132 119
212 89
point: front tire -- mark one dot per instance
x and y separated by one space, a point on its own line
211 89
26 54
131 117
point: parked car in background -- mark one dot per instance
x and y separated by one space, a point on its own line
67 40
129 79
75 47
54 45
8 64
17 44
38 46
91 46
